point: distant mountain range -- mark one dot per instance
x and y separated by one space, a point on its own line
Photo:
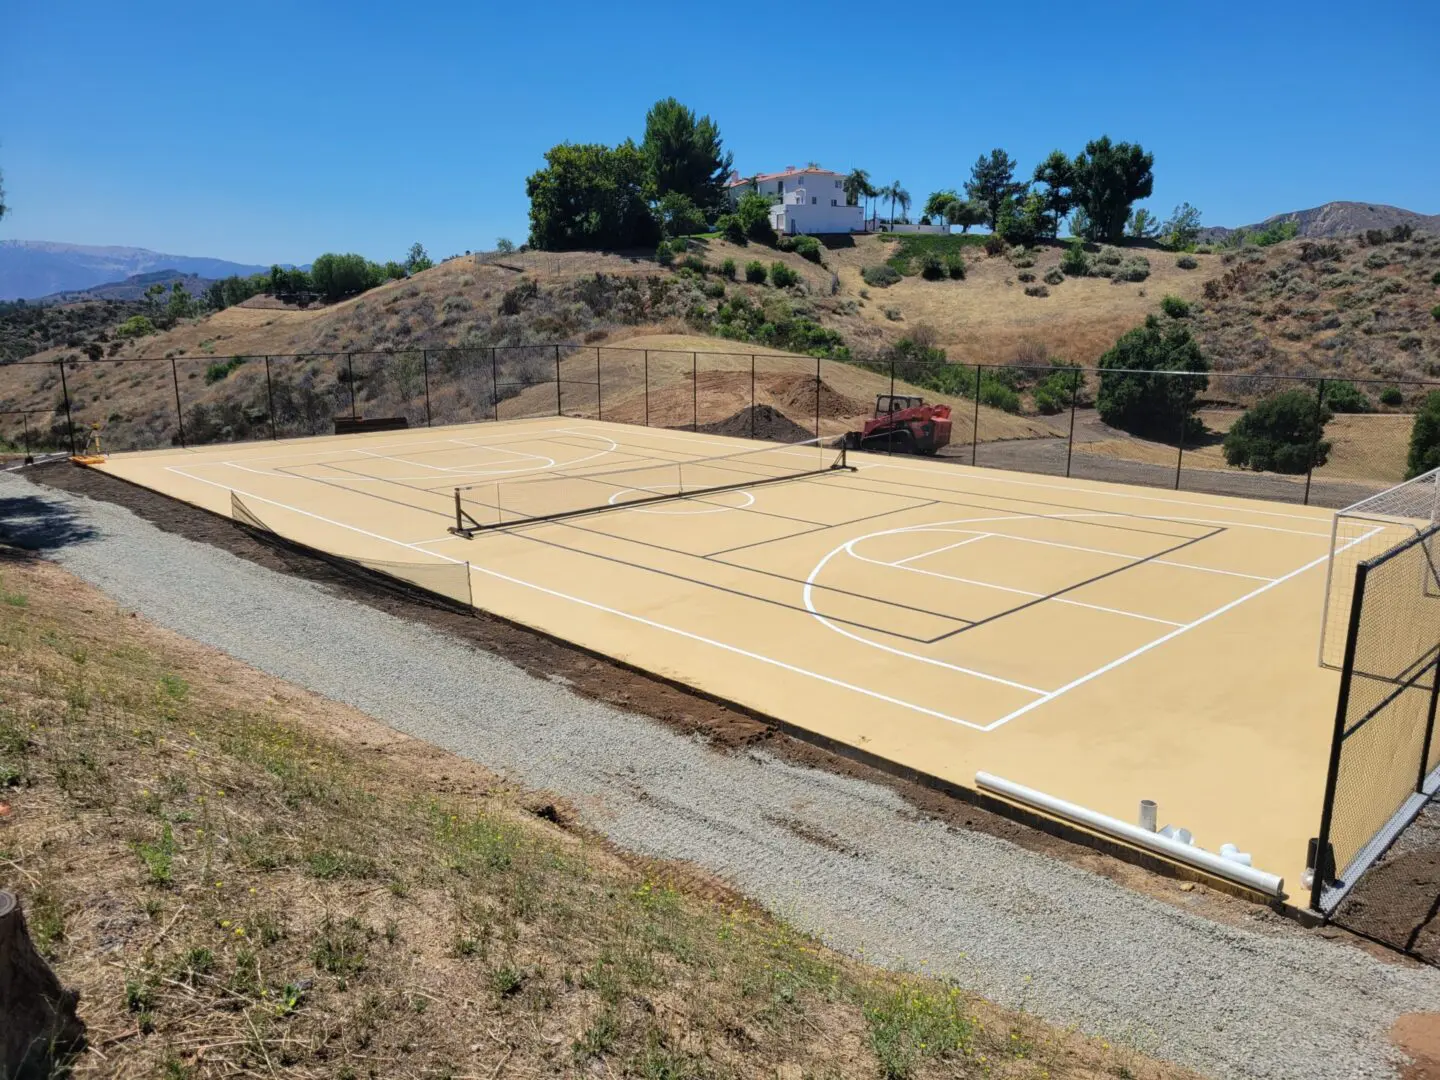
1339 219
40 268
132 288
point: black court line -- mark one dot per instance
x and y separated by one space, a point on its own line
716 587
1139 561
766 573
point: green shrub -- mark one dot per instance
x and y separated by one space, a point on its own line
1023 261
1109 256
893 314
1135 268
1053 276
1036 290
1075 263
881 277
1435 278
995 393
955 266
134 327
1281 230
663 255
1279 433
932 267
755 272
695 263
1052 393
1137 392
732 228
995 244
221 370
1186 262
753 210
727 269
1345 397
1025 276
781 276
1175 307
714 289
1434 313
807 247
1391 395
1425 438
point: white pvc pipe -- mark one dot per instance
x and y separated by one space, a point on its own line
1208 861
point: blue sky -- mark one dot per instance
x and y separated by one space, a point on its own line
273 132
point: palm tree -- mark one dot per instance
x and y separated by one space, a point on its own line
857 187
903 198
896 194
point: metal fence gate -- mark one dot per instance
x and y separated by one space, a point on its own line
1384 754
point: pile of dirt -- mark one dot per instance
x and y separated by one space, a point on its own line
797 393
761 421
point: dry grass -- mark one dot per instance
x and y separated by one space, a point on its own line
244 879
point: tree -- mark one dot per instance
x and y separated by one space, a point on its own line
965 213
591 196
752 213
1155 405
1183 228
896 194
181 305
684 155
504 245
1425 438
337 276
937 206
1280 433
992 184
1022 221
1109 179
679 216
417 259
1058 175
857 187
1142 225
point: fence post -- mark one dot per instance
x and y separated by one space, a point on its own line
270 397
1180 456
179 416
425 371
647 387
975 427
1074 397
752 395
817 399
1429 727
1323 868
69 419
350 367
694 392
494 383
559 406
1315 438
25 423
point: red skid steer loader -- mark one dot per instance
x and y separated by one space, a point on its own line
903 425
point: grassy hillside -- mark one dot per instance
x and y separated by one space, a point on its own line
244 879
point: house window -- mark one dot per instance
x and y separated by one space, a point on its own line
814 200
834 203
837 183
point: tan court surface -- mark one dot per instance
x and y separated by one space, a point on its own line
1099 642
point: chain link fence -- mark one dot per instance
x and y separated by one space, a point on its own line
1033 416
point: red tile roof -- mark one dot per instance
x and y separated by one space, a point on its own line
791 171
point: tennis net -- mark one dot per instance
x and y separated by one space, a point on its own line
557 495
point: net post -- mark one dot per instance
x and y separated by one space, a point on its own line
469 585
817 397
752 395
69 419
425 370
647 387
694 392
559 406
1180 454
494 383
350 372
1329 582
1323 868
599 408
459 521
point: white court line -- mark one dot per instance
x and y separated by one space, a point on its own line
760 657
407 444
1133 558
849 550
1113 664
937 551
1001 476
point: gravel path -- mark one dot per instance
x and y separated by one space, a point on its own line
843 858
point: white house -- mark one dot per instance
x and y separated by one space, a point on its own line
805 200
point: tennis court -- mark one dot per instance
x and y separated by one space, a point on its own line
1101 643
